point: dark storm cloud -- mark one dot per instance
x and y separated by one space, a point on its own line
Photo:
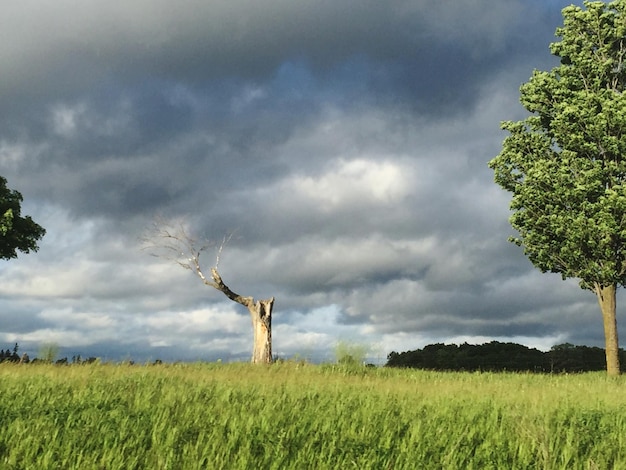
289 58
434 53
242 38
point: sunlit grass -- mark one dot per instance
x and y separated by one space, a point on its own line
300 416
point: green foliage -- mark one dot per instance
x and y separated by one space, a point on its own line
48 352
16 232
294 416
350 354
6 222
565 164
498 357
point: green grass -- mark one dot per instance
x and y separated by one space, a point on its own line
299 416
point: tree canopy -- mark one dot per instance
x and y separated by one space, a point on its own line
16 232
497 357
565 163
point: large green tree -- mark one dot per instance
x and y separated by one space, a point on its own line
16 232
565 164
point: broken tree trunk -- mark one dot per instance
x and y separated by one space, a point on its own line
260 313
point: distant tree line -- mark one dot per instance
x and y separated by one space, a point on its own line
496 356
10 356
13 356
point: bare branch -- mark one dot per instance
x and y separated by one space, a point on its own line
219 251
219 285
171 241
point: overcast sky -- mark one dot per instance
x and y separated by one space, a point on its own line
343 144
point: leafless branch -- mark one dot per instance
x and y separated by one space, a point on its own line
171 241
219 251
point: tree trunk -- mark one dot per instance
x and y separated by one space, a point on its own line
261 313
606 299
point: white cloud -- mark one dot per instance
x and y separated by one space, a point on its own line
353 183
65 119
221 318
67 318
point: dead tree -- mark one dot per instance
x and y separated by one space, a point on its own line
176 245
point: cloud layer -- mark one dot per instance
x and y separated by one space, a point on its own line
344 145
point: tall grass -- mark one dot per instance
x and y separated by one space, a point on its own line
300 416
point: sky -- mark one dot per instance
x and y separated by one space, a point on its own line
342 146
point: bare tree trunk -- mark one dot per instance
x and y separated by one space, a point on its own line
261 313
606 299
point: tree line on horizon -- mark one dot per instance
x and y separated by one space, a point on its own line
48 356
499 357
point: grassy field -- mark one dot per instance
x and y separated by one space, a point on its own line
300 416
